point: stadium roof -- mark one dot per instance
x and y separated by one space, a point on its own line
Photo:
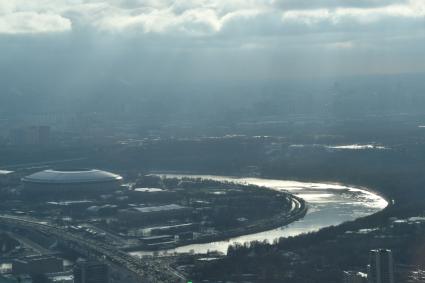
158 208
71 176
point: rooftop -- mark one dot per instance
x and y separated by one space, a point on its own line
71 176
158 208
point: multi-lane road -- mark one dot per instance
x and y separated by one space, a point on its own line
151 270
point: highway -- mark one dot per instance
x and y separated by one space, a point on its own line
29 244
152 270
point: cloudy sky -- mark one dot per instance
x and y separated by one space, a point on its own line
210 39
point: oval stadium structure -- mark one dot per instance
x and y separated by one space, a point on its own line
76 180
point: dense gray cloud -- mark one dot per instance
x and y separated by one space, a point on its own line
315 4
193 17
199 39
33 22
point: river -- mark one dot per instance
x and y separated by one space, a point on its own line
328 204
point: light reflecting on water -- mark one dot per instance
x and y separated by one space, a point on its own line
329 204
357 146
340 147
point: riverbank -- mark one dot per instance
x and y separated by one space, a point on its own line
329 204
298 211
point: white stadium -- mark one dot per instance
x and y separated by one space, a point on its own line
66 180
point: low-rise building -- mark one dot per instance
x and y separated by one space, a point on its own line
354 277
153 213
24 278
37 265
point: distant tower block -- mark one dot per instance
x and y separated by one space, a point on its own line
381 266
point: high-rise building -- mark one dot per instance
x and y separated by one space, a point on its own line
43 135
33 135
91 272
354 277
381 266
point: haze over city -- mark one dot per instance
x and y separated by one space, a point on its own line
212 141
